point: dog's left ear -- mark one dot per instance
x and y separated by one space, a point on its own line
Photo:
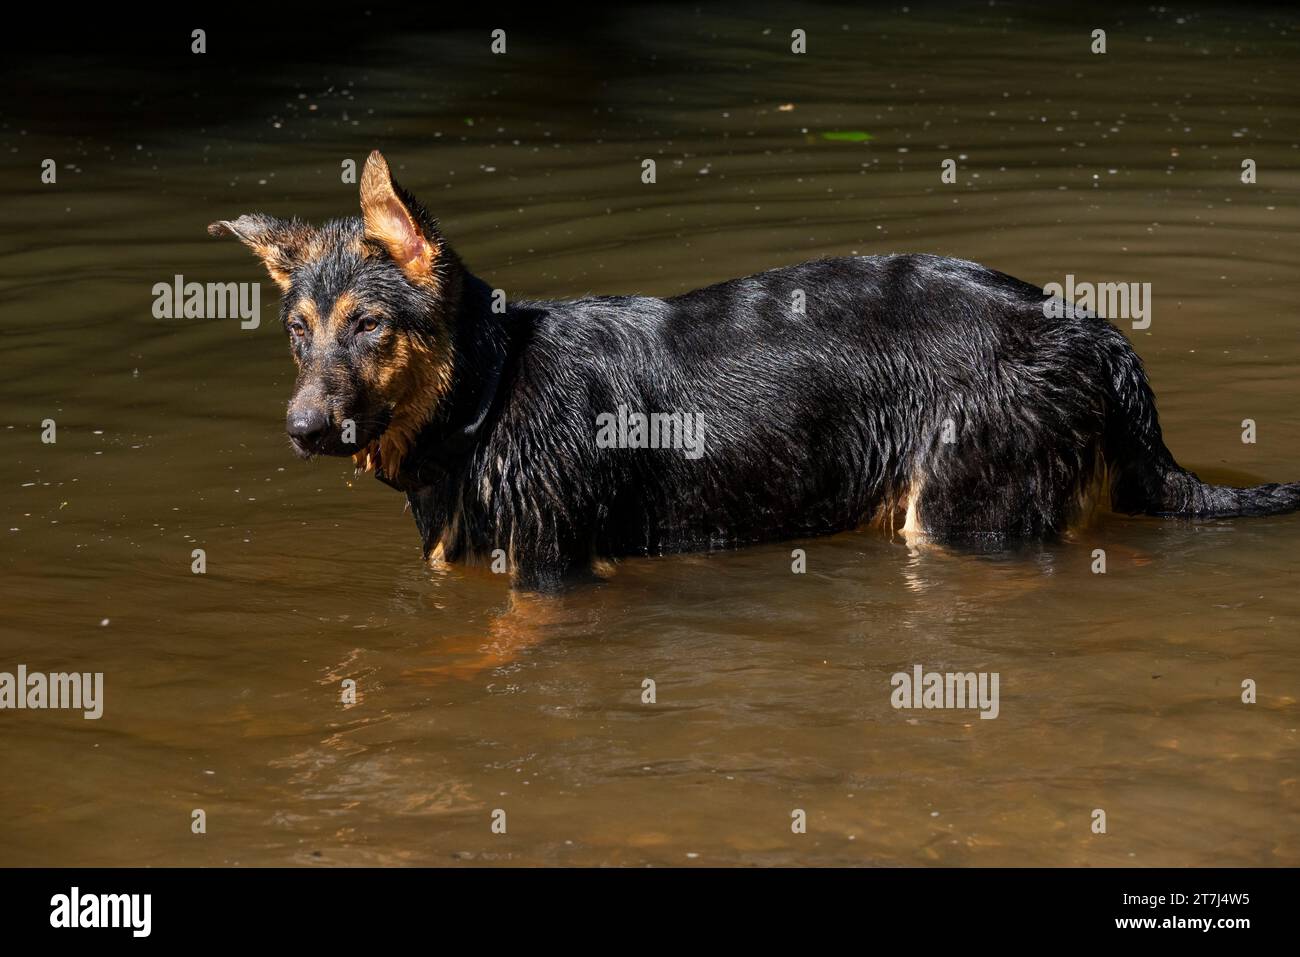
399 223
279 243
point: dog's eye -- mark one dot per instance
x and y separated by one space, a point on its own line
297 329
367 324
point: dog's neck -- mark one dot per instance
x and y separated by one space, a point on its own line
481 342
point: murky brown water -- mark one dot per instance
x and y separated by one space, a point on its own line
1118 691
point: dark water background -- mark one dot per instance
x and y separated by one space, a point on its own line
1118 691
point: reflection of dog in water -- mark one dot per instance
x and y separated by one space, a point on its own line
921 393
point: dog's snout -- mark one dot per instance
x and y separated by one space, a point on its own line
307 427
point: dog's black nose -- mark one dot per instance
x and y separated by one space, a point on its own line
307 427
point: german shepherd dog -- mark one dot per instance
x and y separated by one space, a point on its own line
917 393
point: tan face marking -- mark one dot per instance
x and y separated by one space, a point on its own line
343 309
411 381
305 309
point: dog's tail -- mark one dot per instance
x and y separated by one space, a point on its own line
1144 478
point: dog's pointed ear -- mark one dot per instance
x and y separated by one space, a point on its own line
396 221
278 243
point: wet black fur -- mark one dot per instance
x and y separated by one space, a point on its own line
814 422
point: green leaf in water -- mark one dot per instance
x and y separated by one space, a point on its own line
847 136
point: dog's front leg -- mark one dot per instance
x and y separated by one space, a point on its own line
430 516
550 561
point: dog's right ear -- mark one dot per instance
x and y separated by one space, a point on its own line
396 221
279 243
